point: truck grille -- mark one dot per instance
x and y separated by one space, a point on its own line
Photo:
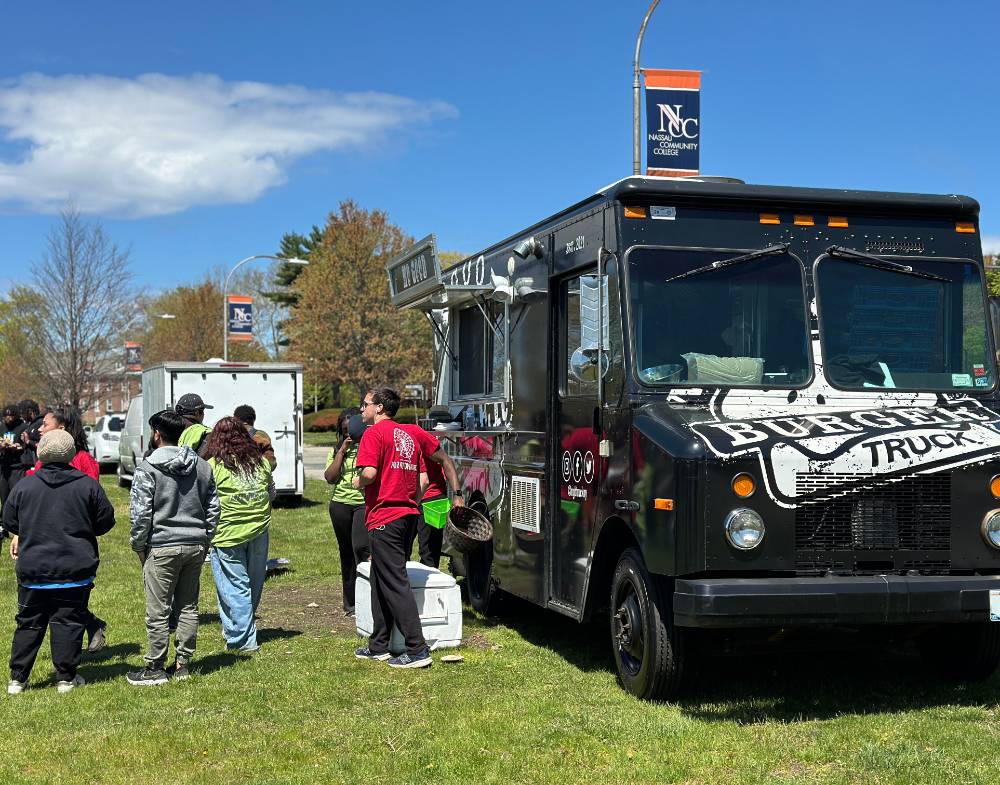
895 525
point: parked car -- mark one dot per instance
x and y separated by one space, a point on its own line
130 446
103 439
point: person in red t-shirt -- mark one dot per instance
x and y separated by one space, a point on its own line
388 466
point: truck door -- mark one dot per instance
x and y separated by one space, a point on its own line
578 467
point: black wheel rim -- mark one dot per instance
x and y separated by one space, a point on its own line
628 628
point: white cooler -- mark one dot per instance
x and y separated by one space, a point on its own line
439 602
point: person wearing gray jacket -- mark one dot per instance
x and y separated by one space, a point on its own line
174 509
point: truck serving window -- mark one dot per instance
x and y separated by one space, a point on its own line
909 324
482 352
734 325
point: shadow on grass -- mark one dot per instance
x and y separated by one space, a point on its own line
789 687
208 617
268 634
293 503
584 646
109 663
819 677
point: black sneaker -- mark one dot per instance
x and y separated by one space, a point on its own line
364 653
180 671
422 659
98 640
147 677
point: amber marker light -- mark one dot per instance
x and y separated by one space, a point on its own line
770 218
804 220
663 504
744 486
995 487
965 228
635 212
837 222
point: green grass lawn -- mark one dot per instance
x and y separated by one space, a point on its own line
534 701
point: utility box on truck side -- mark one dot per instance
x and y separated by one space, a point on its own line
274 390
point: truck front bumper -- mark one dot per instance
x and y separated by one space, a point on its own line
866 599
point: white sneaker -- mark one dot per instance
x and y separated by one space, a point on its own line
15 687
67 686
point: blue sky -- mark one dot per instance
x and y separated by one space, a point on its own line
199 133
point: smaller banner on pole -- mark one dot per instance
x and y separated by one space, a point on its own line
240 318
673 122
133 357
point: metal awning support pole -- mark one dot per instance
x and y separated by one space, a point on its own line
636 124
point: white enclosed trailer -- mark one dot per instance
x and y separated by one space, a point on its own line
274 390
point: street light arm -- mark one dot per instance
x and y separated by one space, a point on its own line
225 293
636 125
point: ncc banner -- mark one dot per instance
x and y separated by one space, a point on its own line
240 318
673 122
133 357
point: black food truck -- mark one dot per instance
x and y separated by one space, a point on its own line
694 407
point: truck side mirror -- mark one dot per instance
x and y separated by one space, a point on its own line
583 364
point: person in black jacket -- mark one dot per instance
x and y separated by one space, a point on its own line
57 514
10 453
25 436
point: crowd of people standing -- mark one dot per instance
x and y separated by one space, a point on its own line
204 494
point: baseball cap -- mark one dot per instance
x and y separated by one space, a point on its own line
191 402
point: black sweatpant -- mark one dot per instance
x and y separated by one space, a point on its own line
342 516
392 600
64 613
359 537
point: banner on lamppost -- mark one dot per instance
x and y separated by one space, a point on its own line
673 122
133 357
240 318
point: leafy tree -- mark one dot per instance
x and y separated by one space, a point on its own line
343 327
281 292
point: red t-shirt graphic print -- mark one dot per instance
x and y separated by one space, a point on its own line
396 455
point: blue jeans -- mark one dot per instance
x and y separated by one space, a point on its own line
239 580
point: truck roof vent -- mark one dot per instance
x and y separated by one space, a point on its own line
525 510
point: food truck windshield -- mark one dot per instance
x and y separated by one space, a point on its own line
719 318
910 324
739 319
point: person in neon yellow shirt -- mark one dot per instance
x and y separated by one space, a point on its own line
239 548
347 506
191 407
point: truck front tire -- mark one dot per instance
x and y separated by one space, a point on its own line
649 650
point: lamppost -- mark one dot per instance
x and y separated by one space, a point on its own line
225 294
636 125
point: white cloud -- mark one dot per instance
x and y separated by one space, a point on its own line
991 244
159 144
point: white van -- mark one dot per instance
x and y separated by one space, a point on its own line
131 445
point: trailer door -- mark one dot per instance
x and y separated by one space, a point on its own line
578 466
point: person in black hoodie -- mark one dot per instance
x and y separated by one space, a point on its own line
57 514
10 453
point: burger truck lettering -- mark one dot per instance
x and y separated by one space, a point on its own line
694 405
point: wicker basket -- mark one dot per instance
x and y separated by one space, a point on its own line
467 530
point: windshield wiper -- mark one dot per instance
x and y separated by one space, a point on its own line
882 264
769 251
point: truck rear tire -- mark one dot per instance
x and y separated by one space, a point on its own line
484 594
122 482
966 652
649 650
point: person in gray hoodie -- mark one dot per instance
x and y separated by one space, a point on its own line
174 509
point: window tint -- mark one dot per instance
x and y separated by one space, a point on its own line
889 329
742 325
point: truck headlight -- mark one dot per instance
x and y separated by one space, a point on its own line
745 529
991 528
